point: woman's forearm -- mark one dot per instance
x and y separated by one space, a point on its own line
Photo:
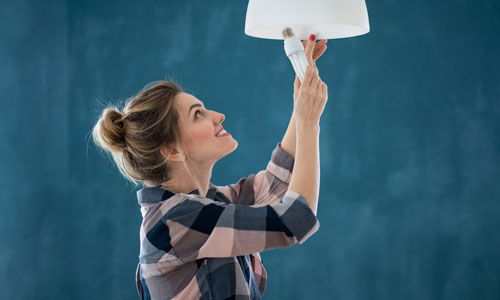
306 170
290 138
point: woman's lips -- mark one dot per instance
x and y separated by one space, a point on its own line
225 134
222 130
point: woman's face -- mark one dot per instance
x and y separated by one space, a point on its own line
198 128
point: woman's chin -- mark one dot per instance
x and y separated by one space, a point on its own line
226 142
234 143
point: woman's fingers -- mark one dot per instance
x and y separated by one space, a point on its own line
324 87
319 48
316 78
308 77
318 85
309 50
296 83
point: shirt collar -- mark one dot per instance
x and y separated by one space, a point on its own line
158 193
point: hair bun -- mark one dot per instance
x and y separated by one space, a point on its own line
113 129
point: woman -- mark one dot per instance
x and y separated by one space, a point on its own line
199 240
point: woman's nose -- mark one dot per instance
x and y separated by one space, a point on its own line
221 118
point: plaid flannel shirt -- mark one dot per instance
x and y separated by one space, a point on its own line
195 247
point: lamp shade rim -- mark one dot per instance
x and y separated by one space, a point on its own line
302 31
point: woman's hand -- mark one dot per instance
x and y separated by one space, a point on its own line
311 98
313 51
318 49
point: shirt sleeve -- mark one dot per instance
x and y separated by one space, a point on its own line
265 187
199 227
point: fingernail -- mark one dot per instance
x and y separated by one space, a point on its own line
312 37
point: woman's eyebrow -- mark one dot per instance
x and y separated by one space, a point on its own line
192 106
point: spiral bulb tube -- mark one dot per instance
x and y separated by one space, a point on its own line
295 52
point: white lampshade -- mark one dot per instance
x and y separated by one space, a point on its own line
328 19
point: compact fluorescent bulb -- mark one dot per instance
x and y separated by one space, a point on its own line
295 52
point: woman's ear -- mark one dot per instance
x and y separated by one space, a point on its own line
172 154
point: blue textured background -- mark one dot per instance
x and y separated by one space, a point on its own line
410 144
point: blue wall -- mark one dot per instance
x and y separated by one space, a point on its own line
410 144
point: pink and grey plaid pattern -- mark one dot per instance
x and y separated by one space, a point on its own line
195 247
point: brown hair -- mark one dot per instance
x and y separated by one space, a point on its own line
135 137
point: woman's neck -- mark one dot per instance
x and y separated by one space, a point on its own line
183 182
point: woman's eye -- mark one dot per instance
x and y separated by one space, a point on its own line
198 111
